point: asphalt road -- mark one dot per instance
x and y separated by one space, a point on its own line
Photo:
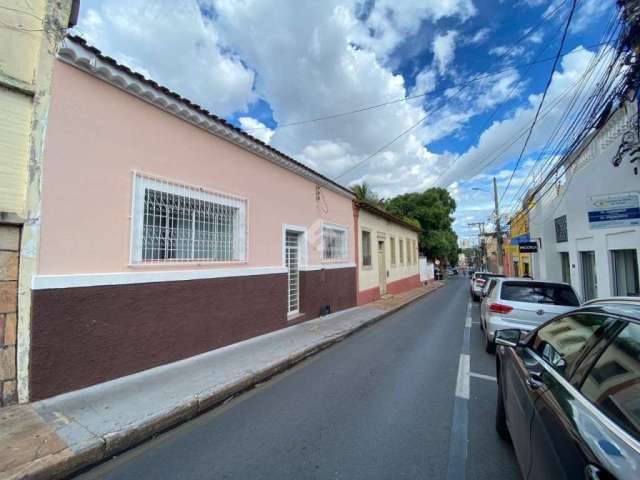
379 405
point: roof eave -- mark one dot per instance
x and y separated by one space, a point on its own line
77 53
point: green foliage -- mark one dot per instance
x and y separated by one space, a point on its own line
364 193
433 210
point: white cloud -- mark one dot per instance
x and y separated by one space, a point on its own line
444 50
496 139
256 128
425 81
178 47
509 52
480 36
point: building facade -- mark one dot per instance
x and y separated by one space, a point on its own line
167 232
516 264
387 253
590 228
30 32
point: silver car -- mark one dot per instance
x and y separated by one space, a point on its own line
523 304
478 282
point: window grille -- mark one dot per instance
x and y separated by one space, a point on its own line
562 234
293 260
334 243
366 248
401 248
173 223
392 250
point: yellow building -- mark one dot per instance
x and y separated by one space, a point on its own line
30 33
518 264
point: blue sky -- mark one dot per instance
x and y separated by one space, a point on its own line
265 64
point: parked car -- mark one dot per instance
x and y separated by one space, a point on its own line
569 393
478 280
523 304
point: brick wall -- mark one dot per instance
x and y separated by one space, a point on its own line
9 246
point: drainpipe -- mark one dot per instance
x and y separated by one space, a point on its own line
356 237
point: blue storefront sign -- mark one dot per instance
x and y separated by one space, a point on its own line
520 239
615 210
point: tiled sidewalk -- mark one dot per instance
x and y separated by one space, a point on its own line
55 437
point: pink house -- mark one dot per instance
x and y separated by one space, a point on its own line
167 232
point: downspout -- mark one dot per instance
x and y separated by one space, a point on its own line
356 238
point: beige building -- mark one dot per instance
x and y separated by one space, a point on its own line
387 253
30 32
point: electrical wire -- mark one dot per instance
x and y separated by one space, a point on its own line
544 95
462 87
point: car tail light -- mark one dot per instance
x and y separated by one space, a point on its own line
480 282
500 308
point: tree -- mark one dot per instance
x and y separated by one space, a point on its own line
364 193
433 209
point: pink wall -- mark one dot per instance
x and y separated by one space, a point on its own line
98 134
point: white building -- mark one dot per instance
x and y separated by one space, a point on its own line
588 227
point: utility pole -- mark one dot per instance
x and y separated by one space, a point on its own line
480 226
498 229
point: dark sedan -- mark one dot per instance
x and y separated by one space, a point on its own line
569 393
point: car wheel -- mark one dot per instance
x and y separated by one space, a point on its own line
501 419
476 298
489 346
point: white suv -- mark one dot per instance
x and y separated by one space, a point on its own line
522 303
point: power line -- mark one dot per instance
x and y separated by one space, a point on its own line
424 117
544 95
437 90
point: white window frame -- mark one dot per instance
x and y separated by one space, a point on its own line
303 262
346 242
143 181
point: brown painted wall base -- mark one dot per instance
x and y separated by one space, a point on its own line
84 336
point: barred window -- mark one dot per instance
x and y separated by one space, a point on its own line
366 248
334 243
392 243
173 222
561 229
401 248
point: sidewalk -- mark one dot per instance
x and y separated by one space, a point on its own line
55 437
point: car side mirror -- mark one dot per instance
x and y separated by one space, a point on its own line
509 337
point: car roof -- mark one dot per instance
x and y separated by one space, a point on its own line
530 280
627 307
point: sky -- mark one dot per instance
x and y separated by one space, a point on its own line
275 68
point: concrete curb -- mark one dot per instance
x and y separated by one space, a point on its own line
78 458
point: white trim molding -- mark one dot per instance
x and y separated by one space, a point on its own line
45 282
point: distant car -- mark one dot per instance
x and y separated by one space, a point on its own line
455 270
569 393
521 303
449 271
478 280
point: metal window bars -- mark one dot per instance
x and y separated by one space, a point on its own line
334 243
293 259
175 222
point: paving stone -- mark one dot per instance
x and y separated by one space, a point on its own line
9 237
8 297
10 328
9 393
8 265
7 363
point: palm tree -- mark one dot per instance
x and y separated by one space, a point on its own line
364 193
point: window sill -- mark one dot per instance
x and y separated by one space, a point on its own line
294 316
186 264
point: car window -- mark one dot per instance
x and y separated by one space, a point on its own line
561 342
491 286
613 384
539 292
